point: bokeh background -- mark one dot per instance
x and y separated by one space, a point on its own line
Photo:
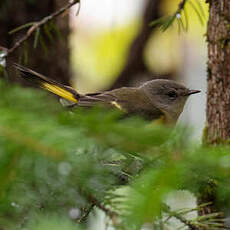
100 43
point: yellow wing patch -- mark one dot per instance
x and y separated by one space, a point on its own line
114 103
60 92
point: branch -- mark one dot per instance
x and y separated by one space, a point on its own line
86 214
107 211
165 21
94 202
207 221
183 220
35 25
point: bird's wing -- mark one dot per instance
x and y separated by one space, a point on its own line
130 100
41 81
102 98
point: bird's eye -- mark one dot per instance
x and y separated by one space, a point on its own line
172 94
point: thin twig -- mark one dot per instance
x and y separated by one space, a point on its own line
111 214
40 23
86 214
107 211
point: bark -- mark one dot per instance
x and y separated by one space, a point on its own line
218 98
135 66
218 94
54 63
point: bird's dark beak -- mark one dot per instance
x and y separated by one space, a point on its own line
191 91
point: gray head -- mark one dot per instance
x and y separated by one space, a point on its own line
168 96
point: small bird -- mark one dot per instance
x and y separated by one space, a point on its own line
156 99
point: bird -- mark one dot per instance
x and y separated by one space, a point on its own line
157 99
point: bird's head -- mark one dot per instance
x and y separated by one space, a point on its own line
168 96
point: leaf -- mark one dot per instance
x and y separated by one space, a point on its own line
20 55
21 27
26 53
201 8
36 37
158 21
197 12
56 30
165 22
179 26
182 24
166 25
48 33
185 14
43 44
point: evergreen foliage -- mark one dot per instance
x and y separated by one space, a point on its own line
181 16
57 165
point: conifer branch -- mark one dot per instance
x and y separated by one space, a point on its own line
183 220
208 221
181 6
35 25
166 21
99 205
94 202
86 213
18 137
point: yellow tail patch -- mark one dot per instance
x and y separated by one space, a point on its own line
60 92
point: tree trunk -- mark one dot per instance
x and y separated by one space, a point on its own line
218 98
53 63
135 64
218 94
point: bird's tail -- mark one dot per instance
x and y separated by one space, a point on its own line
43 82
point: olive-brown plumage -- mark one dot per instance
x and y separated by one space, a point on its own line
152 100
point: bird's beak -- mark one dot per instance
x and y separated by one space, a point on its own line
191 91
